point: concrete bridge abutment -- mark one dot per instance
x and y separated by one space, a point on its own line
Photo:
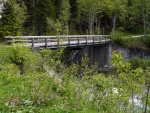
102 54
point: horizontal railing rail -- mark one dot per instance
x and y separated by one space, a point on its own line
57 36
57 41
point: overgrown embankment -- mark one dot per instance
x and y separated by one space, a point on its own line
40 82
130 41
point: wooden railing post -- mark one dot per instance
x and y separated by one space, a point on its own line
46 43
58 41
87 40
26 40
99 39
32 42
13 40
78 41
68 41
93 40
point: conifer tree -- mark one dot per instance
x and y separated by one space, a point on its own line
13 18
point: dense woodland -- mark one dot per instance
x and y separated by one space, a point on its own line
51 17
42 82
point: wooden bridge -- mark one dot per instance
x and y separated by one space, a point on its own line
59 41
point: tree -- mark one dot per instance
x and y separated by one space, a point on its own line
130 80
89 9
133 18
64 15
38 12
145 16
147 84
42 11
13 18
116 9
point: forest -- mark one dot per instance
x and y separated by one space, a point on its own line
41 81
51 17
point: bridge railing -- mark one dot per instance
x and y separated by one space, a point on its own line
56 41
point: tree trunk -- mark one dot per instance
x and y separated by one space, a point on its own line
144 21
133 103
114 22
145 31
90 25
133 107
146 103
91 21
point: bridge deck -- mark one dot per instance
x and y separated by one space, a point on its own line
58 41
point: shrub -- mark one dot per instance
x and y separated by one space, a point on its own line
5 53
41 93
136 43
21 56
52 59
125 39
82 69
140 62
120 38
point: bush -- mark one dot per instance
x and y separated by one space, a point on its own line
52 59
5 53
22 57
136 43
139 62
82 69
120 38
125 39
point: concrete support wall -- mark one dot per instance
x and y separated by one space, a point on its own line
97 54
102 54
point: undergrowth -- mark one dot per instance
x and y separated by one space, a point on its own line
33 82
126 39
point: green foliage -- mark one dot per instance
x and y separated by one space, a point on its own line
52 58
136 43
64 15
120 38
125 39
83 69
22 57
39 92
25 82
74 89
13 18
140 62
122 66
53 28
5 53
128 78
38 17
90 13
147 43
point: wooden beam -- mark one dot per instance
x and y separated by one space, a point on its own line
32 42
46 43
